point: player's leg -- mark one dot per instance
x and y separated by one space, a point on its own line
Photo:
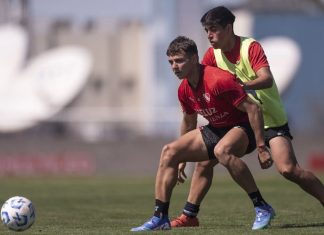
228 150
200 183
284 158
201 179
188 148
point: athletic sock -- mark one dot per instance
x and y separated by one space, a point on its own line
161 208
191 210
257 199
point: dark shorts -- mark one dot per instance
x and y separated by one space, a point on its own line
272 132
212 135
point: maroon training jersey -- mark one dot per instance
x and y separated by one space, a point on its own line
215 97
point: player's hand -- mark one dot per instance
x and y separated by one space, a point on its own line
264 157
181 173
240 82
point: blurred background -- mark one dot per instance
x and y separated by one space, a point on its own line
86 89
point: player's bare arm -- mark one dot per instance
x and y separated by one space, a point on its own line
264 80
189 123
256 120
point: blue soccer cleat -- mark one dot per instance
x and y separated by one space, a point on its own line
155 223
272 211
264 214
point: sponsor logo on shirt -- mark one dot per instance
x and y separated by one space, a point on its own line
212 114
207 112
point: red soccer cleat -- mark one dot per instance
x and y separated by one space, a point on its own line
185 221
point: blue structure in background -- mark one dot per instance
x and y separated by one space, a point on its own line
304 97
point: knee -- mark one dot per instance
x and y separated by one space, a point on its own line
168 155
223 154
290 172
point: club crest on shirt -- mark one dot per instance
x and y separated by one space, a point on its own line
207 97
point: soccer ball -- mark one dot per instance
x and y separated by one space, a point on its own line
18 213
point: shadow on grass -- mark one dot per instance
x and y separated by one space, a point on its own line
301 225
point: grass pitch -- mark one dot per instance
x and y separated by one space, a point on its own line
114 205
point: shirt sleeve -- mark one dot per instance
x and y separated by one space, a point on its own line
257 56
184 101
209 58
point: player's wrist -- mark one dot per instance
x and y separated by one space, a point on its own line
261 148
244 86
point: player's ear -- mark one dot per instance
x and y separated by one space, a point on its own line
229 28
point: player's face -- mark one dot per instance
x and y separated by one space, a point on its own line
218 35
181 65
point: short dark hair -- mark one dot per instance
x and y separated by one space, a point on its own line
218 15
182 44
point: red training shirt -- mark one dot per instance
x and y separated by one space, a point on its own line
257 56
216 97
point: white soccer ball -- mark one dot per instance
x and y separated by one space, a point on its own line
18 213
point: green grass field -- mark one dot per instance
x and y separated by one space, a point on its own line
114 205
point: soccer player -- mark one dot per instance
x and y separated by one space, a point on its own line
245 58
235 128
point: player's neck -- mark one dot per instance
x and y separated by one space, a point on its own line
194 76
230 44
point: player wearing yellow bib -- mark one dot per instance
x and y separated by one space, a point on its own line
245 58
273 111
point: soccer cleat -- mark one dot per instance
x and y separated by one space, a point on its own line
272 211
264 214
155 223
185 221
